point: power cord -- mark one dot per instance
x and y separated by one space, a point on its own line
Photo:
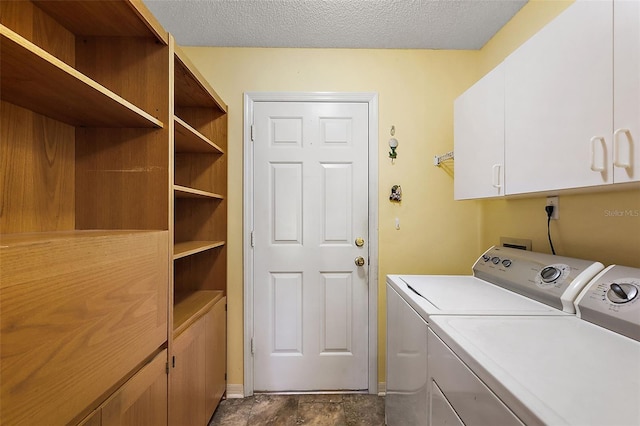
549 210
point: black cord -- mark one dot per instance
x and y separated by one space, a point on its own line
549 210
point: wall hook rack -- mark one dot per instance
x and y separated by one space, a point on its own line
439 159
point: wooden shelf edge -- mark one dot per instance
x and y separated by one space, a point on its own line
71 83
189 307
186 62
186 192
29 238
189 248
199 142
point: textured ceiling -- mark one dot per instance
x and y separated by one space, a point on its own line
410 24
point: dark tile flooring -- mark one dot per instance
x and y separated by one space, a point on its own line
303 409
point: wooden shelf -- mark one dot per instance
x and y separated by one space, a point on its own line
188 139
189 248
105 18
8 241
34 79
185 192
188 307
192 89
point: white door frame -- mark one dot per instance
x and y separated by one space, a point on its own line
372 100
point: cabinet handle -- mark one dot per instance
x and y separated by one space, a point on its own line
496 176
595 168
616 148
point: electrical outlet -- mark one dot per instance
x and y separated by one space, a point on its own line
553 201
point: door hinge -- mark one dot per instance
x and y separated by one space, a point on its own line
252 241
253 349
167 368
252 127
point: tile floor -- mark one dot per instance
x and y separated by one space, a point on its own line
304 409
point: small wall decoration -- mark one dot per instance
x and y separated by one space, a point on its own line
396 193
393 144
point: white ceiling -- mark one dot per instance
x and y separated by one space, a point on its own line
410 24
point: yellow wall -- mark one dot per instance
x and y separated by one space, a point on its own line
416 91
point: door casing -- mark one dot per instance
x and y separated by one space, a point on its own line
372 100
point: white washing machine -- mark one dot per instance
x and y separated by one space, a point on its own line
504 282
534 370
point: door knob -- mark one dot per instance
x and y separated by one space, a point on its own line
359 261
359 242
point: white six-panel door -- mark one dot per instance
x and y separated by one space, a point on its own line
310 205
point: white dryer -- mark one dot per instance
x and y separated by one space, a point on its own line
513 370
504 282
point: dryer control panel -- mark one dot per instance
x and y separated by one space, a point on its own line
612 301
553 280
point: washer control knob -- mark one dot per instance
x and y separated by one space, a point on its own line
486 257
495 260
550 273
506 263
622 293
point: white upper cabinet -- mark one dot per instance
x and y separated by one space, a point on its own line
479 138
559 103
626 96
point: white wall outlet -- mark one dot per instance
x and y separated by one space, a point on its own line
553 201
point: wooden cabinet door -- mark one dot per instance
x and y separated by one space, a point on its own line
142 400
216 355
479 138
626 86
186 399
559 103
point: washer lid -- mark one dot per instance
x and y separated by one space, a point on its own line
554 370
463 295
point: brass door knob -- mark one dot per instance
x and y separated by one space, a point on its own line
359 242
359 261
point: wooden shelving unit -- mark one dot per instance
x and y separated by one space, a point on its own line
200 185
85 208
113 222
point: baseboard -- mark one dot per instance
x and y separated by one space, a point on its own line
235 391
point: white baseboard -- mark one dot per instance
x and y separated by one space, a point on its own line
235 391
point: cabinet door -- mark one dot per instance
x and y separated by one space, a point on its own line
626 86
479 138
187 402
215 355
142 400
559 103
